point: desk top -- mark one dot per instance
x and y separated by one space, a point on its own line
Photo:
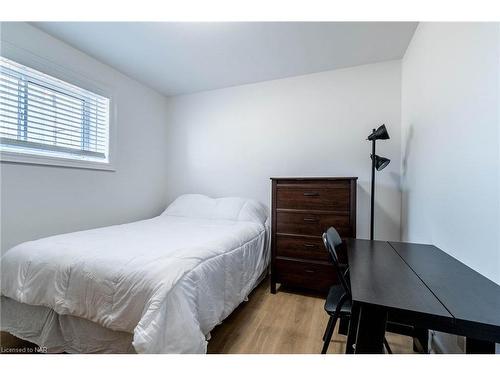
469 296
379 276
426 283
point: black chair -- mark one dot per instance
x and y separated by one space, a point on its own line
339 300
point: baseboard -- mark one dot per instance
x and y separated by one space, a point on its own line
443 343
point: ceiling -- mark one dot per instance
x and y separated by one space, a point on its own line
181 58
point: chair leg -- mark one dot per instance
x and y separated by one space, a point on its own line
387 347
330 321
329 333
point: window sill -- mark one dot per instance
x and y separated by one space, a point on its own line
53 161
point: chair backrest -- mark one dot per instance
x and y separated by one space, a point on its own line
332 240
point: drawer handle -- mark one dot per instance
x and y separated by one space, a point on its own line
311 194
310 245
311 219
309 271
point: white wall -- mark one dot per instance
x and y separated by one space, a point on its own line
230 141
450 142
450 145
38 201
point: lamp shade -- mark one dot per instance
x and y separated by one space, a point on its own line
381 162
380 133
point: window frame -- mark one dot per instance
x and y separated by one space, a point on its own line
54 70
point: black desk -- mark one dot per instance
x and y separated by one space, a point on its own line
422 286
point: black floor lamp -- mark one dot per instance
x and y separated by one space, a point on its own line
378 163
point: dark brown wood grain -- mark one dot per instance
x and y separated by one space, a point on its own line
312 223
310 275
296 246
273 237
314 197
302 209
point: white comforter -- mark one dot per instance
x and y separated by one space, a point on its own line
168 280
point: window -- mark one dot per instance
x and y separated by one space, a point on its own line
42 116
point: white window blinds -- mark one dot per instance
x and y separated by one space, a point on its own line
42 115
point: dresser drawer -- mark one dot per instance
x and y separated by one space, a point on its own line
311 224
302 209
301 247
335 198
307 275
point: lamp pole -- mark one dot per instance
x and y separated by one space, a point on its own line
378 163
372 203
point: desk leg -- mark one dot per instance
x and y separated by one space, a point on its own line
421 340
473 346
353 329
371 330
344 325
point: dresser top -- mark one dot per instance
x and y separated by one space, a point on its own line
314 178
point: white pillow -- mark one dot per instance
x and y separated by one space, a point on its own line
232 208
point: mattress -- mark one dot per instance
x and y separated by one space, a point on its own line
164 283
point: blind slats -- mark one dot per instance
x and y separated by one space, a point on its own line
10 121
60 134
44 114
56 112
46 140
34 94
94 100
50 120
52 83
38 146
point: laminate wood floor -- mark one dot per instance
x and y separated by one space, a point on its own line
286 322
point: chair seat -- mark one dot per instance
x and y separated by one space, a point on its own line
332 300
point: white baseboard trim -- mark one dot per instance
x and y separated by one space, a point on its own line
439 345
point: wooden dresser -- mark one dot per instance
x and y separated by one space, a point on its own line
302 209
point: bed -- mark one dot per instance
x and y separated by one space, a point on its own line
153 286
